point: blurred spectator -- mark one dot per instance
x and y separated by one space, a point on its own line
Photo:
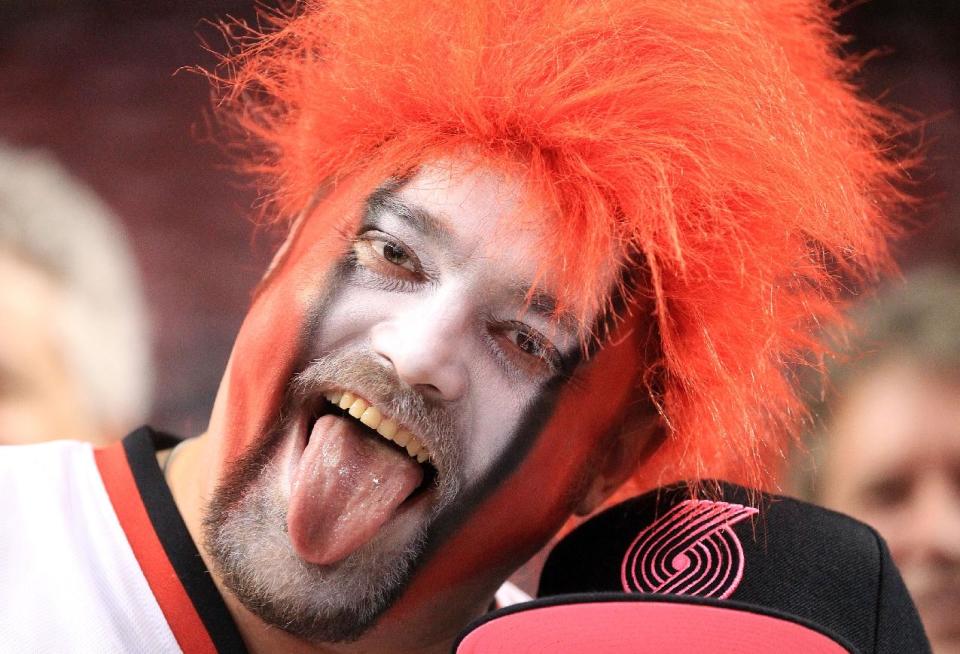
888 448
74 354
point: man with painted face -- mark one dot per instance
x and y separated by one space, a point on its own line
534 250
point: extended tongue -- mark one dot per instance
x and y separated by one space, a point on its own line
344 488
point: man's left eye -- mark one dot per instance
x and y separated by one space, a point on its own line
529 343
533 344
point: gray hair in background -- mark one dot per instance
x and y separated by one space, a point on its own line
918 320
52 221
915 320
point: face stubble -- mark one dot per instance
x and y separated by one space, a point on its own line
245 524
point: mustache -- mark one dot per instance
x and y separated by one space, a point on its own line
434 423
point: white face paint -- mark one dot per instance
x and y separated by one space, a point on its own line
438 295
430 318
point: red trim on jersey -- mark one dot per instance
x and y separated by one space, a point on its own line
176 605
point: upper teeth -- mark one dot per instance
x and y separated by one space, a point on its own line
372 417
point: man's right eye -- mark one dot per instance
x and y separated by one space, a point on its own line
393 253
386 256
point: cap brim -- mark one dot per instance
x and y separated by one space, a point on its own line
613 622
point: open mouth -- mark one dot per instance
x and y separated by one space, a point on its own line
374 423
358 471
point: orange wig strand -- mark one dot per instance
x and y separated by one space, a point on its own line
718 146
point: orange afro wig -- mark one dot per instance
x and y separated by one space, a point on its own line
718 147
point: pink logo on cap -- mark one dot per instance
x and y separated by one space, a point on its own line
690 550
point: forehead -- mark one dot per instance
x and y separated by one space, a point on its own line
898 414
482 215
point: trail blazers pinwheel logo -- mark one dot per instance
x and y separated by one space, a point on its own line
690 550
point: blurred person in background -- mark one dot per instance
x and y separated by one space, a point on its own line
75 357
887 450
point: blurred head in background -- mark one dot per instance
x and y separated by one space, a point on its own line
75 356
888 447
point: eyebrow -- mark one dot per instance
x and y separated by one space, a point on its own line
545 304
417 218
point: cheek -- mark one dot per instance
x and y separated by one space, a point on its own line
498 409
273 338
349 315
521 512
262 361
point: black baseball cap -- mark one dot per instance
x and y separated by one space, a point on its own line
726 570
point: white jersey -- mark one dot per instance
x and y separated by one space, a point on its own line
68 577
94 556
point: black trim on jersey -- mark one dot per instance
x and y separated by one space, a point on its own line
141 449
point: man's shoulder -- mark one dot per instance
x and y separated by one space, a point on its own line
46 449
66 568
43 467
45 487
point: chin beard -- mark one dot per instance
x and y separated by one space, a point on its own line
245 535
245 523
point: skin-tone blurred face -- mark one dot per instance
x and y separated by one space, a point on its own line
321 524
39 397
893 461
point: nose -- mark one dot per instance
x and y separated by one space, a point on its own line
425 342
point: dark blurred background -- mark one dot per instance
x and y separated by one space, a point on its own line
96 83
100 85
